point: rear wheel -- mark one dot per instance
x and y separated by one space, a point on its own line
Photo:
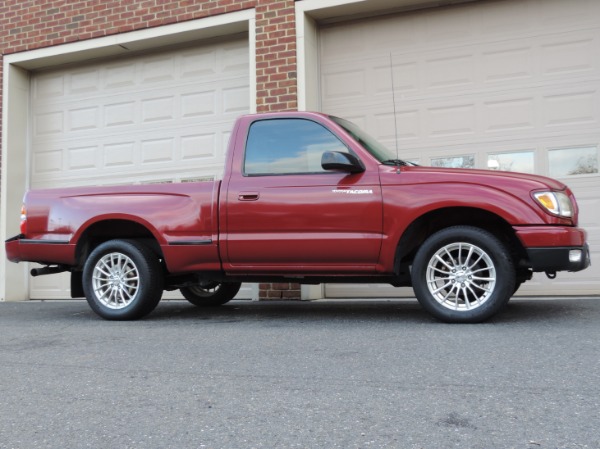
122 280
463 274
211 293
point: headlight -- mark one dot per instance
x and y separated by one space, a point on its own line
556 203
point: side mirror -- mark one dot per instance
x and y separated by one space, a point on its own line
336 160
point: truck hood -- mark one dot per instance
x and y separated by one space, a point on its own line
511 182
507 194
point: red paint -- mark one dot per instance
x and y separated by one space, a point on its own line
544 236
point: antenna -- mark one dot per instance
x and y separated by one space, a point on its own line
395 120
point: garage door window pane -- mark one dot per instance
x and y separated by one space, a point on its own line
522 161
454 162
573 161
288 146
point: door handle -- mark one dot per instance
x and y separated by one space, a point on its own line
248 196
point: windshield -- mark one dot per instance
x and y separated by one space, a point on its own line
380 152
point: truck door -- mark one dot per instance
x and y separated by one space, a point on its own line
285 213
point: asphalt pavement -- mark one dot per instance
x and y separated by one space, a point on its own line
322 374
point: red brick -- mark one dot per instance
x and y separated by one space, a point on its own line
291 294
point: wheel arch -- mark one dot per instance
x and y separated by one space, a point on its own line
103 230
435 220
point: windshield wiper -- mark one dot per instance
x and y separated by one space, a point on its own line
399 162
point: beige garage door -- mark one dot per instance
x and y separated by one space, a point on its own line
160 117
514 84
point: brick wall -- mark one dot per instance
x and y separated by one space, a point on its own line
32 24
278 291
276 56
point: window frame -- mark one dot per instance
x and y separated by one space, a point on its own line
300 173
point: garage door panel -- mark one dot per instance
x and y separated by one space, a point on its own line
507 63
455 25
449 71
48 86
235 100
575 54
359 291
509 114
85 81
565 284
81 158
233 60
571 108
83 119
48 162
119 114
451 120
117 155
504 19
515 82
553 13
405 73
48 122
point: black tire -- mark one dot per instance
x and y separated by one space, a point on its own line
211 294
463 274
122 280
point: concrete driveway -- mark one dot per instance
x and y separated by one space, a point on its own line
325 374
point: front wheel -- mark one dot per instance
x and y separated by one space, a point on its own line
463 274
211 293
122 280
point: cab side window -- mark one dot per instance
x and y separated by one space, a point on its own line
288 146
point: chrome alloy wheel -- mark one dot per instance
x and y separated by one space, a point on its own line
461 276
115 280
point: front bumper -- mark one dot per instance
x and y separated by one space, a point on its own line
571 258
554 248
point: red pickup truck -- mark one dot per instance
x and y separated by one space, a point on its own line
306 198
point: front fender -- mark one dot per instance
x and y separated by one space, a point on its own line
404 204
